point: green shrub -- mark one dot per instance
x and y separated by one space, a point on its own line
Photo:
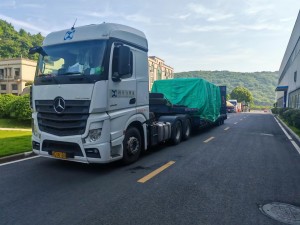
288 116
5 102
20 108
282 110
274 110
296 119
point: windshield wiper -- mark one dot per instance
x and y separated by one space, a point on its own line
72 73
47 78
46 75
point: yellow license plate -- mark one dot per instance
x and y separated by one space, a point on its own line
60 155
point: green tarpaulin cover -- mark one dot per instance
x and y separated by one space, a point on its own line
193 93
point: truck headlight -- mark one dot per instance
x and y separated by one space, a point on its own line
35 130
94 134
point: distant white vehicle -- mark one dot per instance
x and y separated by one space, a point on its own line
235 103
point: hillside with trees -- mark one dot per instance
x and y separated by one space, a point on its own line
15 44
261 84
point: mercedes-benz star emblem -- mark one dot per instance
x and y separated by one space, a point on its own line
59 104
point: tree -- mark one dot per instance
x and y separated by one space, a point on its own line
241 94
227 96
15 44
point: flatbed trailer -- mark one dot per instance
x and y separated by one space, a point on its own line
181 118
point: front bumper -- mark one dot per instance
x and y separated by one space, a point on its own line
73 149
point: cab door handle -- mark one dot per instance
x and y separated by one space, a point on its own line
132 101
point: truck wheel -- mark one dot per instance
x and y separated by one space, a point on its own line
131 145
187 130
176 133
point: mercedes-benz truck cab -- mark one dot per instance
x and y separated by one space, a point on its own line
90 93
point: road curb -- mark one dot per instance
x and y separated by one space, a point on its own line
289 130
10 158
15 129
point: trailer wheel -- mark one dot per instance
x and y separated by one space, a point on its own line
176 133
187 130
131 145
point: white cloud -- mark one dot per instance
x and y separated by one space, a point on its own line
208 14
10 4
219 17
255 8
103 14
23 24
183 17
233 28
138 18
199 28
32 5
283 20
110 14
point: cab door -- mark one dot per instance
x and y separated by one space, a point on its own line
122 80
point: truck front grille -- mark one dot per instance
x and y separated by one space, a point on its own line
72 121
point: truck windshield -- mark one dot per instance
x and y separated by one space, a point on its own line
83 59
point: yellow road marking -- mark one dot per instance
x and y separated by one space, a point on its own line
155 172
227 128
209 139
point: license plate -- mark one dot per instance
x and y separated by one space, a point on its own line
60 155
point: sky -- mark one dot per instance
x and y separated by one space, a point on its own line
234 35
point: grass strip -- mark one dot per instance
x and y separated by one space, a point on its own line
13 123
295 129
14 142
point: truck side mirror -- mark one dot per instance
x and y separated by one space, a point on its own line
124 65
37 49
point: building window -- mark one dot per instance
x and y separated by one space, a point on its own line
1 73
295 76
17 72
3 87
14 87
159 72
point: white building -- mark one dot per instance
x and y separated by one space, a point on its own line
158 70
14 73
288 90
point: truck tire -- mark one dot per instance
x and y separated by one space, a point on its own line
176 133
132 145
187 130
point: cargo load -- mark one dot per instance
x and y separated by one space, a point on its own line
193 93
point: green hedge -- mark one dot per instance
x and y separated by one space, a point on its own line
291 116
5 103
15 107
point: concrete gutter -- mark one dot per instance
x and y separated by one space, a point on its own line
10 158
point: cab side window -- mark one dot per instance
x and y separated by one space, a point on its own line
115 63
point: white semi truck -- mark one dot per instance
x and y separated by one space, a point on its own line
90 97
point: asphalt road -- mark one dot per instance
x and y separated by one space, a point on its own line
220 176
